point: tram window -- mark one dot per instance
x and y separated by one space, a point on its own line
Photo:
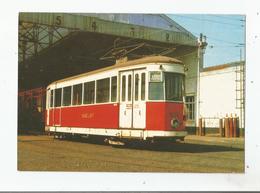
156 91
143 86
103 90
129 87
66 96
77 94
51 99
136 86
57 97
123 87
113 88
89 92
173 86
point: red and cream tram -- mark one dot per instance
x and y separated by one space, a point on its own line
136 99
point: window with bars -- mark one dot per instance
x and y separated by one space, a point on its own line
190 107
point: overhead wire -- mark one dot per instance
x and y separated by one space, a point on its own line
214 38
221 40
229 18
233 44
209 20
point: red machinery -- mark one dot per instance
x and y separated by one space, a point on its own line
31 109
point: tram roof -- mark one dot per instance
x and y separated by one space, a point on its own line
144 60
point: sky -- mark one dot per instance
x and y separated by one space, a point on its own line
225 35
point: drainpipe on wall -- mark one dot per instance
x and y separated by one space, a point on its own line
202 44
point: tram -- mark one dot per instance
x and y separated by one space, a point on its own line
136 99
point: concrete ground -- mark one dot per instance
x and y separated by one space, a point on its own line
216 140
196 154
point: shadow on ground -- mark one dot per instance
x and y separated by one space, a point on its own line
182 147
164 146
187 148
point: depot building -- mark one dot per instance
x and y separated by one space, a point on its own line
53 46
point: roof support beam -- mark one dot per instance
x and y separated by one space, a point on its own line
93 24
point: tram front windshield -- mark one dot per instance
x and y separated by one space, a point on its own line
171 89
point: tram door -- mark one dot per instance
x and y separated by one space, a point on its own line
132 99
139 106
126 103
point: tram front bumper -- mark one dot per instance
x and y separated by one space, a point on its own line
165 134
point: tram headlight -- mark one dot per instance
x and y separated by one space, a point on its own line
175 123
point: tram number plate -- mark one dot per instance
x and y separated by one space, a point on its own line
129 106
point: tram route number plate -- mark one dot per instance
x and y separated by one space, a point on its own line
156 76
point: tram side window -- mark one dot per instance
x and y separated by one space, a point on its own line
77 94
143 86
123 87
66 96
136 86
103 90
51 99
57 97
129 87
156 91
89 92
113 88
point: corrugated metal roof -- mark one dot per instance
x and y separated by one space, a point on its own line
160 21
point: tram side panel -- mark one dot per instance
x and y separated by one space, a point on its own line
94 116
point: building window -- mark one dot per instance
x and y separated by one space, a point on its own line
103 90
89 92
190 110
77 94
57 97
113 88
66 96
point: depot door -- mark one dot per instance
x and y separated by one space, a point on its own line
132 99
